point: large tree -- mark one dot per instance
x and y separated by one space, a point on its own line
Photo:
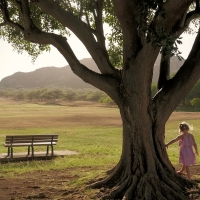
138 31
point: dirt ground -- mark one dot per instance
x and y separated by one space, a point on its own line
41 185
51 185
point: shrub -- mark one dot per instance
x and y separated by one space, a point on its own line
195 102
106 99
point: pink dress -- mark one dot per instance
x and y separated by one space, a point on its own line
187 156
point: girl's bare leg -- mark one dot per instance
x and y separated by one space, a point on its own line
188 172
181 170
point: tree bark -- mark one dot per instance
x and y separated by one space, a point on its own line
144 170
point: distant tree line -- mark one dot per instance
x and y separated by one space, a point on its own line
192 99
55 94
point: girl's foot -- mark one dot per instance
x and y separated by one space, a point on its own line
180 173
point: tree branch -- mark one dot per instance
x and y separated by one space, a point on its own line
179 28
32 34
82 31
164 68
174 18
176 88
174 11
102 82
99 25
23 7
190 16
89 25
177 31
127 18
6 17
93 10
197 6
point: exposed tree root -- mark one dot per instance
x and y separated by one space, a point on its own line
148 187
115 177
144 174
129 193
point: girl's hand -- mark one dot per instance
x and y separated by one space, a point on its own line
197 153
166 145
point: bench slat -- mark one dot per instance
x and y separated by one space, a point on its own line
30 136
26 140
29 144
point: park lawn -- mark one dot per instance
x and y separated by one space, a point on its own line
94 131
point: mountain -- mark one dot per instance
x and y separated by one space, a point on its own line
48 77
64 77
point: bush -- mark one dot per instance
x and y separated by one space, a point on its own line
195 102
53 94
94 96
19 96
70 95
106 99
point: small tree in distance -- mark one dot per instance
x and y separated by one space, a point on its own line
140 29
195 102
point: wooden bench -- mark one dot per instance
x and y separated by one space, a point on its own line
30 141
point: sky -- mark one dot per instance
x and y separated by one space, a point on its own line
12 62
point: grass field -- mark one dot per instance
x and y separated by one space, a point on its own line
92 130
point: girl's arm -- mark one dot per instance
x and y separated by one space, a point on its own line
195 145
174 140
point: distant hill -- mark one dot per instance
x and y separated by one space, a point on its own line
48 77
64 77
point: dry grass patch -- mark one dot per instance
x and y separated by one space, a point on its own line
184 116
22 115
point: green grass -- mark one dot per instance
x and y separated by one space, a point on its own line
97 145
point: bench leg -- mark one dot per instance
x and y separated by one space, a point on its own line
11 152
32 151
28 151
52 150
47 150
8 152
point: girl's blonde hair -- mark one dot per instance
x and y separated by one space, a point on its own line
185 126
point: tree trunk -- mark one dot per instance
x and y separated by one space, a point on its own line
144 170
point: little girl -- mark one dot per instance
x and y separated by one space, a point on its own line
186 155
